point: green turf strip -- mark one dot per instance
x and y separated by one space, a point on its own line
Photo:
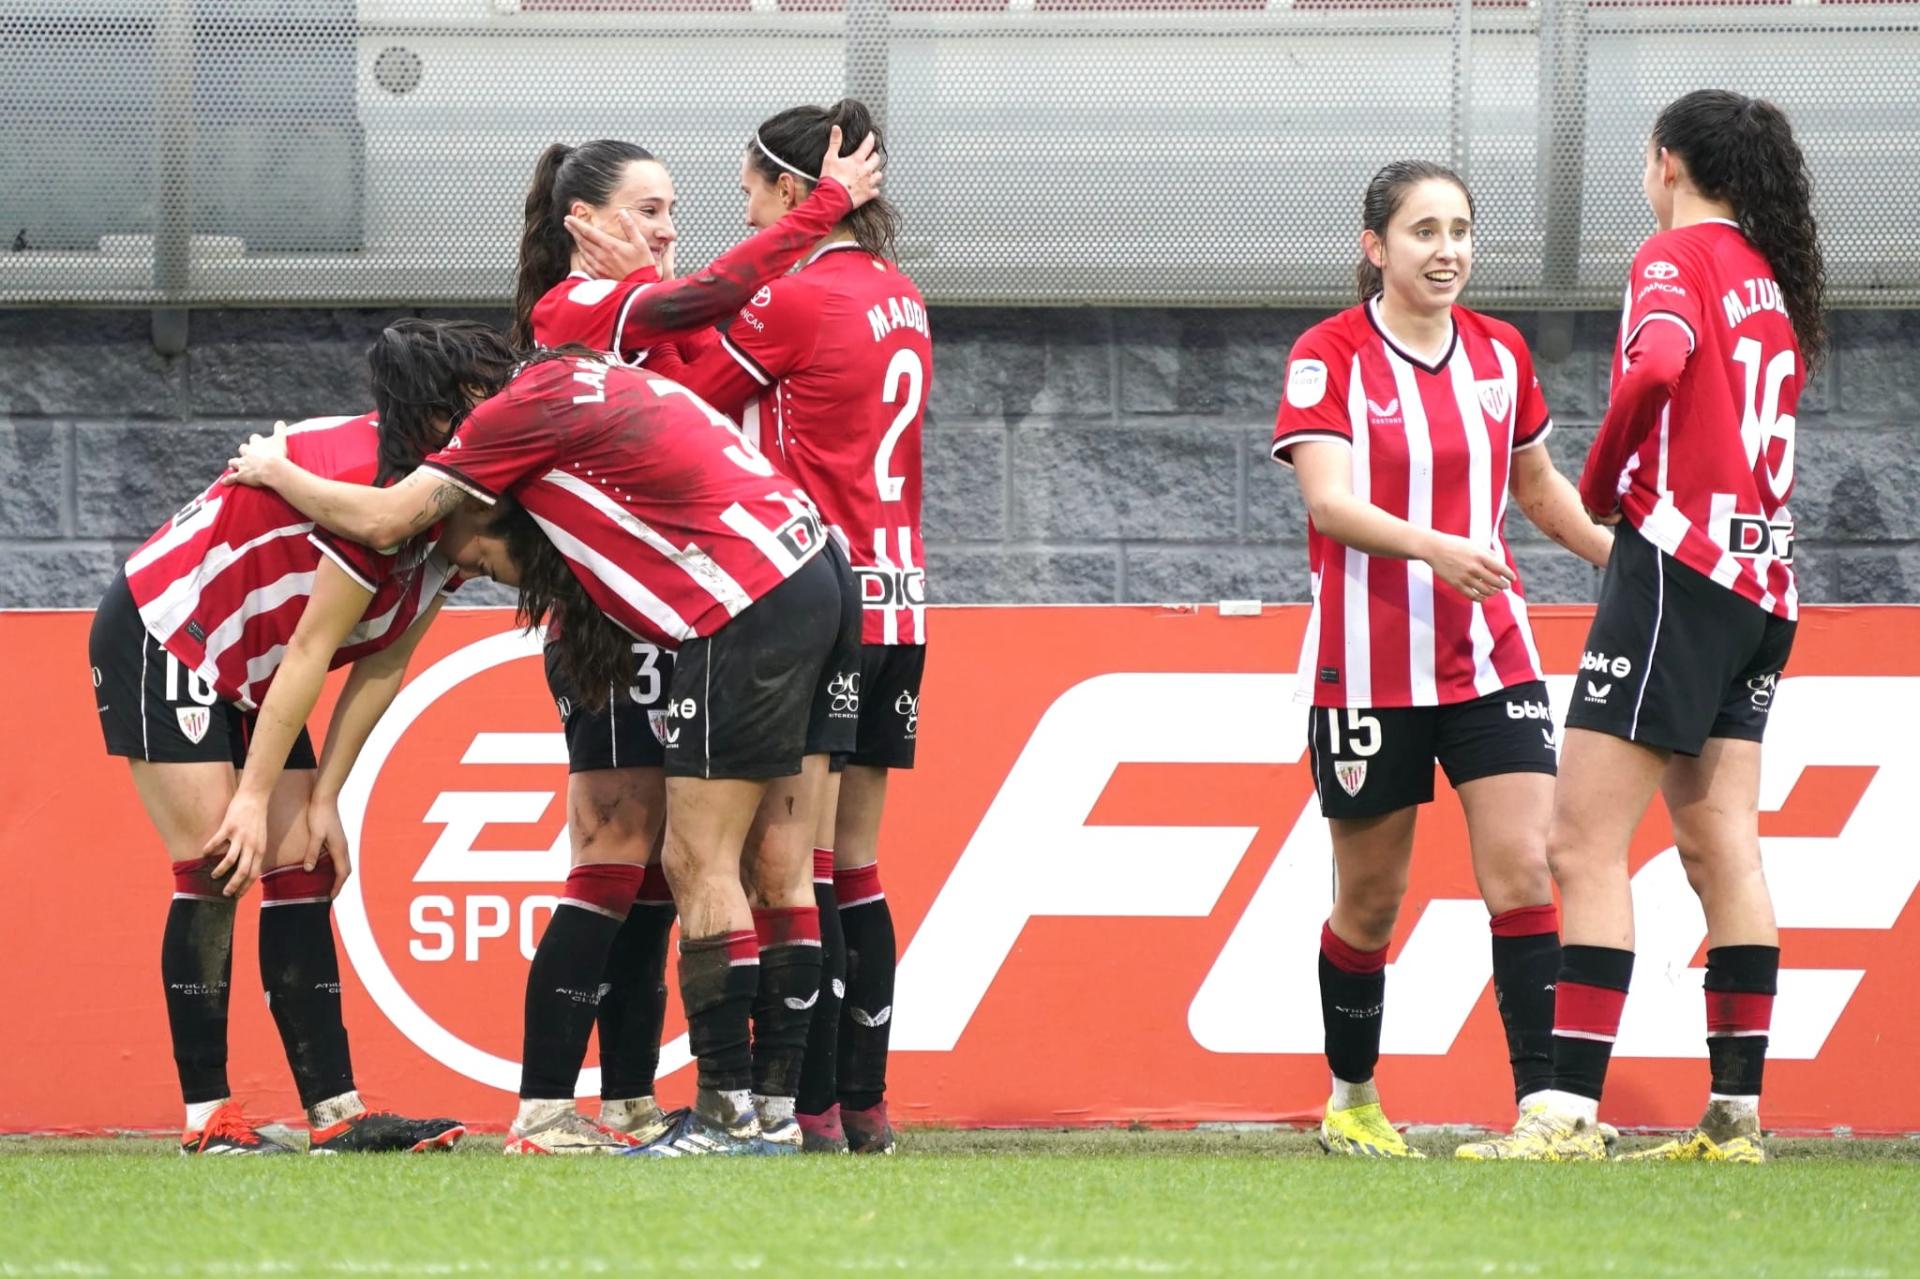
1188 1203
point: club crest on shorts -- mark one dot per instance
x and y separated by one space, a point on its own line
1352 775
1495 400
194 722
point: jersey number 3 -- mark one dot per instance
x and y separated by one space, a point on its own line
903 384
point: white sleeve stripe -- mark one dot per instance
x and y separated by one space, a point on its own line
345 567
620 320
469 487
746 362
1668 316
1286 442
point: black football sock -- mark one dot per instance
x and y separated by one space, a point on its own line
788 993
564 981
1588 1000
300 972
196 966
1353 988
1740 989
1526 964
718 978
635 1007
866 1019
818 1078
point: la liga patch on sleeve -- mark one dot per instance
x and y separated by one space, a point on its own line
1306 383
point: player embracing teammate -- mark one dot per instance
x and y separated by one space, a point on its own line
1693 465
1409 421
830 365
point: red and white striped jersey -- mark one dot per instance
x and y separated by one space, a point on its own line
1432 444
223 583
838 357
1705 473
672 521
627 318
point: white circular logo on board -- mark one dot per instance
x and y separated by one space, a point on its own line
1306 383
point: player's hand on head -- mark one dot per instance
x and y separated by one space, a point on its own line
1475 572
860 173
242 843
610 257
327 838
253 464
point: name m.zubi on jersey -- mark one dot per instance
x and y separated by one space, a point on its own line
898 313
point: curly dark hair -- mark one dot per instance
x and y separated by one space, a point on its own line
596 655
1741 150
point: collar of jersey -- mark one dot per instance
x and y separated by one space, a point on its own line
825 249
1453 340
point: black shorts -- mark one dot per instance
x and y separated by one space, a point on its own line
740 698
1673 658
833 721
1370 762
890 677
152 707
624 732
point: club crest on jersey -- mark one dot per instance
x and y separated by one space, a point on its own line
1351 775
194 722
1495 400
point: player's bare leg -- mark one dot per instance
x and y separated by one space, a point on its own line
186 804
1371 857
614 816
866 1021
707 825
1714 801
777 873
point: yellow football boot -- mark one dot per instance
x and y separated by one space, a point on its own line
1363 1131
1544 1137
1698 1147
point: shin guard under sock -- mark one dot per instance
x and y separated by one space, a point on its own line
819 1080
564 981
1526 965
1353 987
867 1016
634 1009
718 978
196 966
788 992
300 971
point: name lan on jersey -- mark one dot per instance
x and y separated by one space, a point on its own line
898 313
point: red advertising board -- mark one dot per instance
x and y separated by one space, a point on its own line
1107 876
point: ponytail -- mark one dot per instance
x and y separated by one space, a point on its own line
795 143
589 172
1742 150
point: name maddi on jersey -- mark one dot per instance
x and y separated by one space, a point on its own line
898 313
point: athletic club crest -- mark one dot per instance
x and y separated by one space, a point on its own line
194 722
1495 400
1351 775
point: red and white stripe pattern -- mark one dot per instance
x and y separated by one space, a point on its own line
671 521
223 584
857 885
1431 444
1710 485
604 888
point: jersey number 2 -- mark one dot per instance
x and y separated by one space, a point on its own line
905 368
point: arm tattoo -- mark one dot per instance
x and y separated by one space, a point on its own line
442 502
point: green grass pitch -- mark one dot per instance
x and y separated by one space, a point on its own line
1070 1203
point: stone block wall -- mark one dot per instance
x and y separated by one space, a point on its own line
1072 455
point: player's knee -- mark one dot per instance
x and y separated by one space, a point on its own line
1516 878
1368 909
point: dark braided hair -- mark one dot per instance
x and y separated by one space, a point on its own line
1741 150
1385 193
799 136
425 370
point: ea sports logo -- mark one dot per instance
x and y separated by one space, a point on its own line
458 809
1660 271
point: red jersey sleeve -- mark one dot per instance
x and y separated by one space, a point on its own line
1532 423
1314 404
1655 358
647 311
1662 291
586 311
367 567
776 332
505 439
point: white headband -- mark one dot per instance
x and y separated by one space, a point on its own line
796 172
